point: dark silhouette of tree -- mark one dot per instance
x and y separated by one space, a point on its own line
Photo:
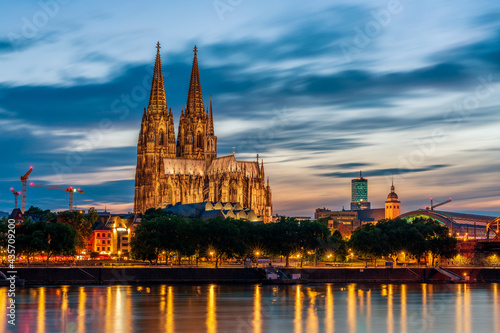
80 223
282 238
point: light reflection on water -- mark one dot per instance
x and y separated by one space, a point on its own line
257 308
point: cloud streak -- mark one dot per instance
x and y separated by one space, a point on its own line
281 87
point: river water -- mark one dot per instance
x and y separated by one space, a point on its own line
256 308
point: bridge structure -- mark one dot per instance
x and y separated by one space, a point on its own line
493 228
476 233
467 226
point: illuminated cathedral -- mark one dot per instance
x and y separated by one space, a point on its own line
188 170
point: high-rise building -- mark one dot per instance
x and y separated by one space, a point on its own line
189 170
359 194
392 205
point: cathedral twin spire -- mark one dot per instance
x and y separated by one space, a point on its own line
196 123
194 103
165 166
157 99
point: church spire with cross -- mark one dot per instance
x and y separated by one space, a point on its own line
157 99
194 103
156 139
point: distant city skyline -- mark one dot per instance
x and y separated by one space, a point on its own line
403 90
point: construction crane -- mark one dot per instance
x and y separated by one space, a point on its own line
432 206
23 181
70 191
16 194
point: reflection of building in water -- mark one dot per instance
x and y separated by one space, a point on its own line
212 310
347 308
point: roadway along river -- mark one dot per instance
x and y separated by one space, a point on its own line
256 308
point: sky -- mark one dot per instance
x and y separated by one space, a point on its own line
406 91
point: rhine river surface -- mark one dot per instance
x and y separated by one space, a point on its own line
256 308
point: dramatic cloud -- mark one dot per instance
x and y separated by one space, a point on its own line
418 100
380 172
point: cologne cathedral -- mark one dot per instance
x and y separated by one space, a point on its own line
188 170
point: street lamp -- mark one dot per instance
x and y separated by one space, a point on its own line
212 254
257 256
119 253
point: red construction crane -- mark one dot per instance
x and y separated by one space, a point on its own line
70 191
432 206
23 181
16 194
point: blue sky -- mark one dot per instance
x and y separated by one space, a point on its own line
320 90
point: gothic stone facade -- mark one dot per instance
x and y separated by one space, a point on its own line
189 171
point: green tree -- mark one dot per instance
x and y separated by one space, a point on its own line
92 216
197 238
223 237
61 239
311 236
80 223
416 245
282 238
396 232
53 237
38 214
247 238
175 232
31 238
153 213
334 247
369 242
146 244
438 240
4 227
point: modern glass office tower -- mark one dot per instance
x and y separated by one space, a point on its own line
359 196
